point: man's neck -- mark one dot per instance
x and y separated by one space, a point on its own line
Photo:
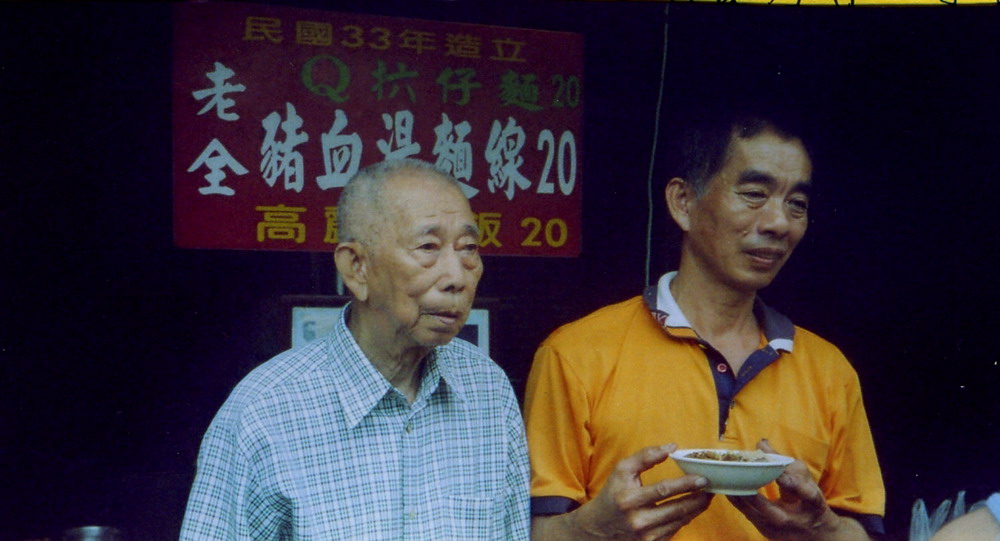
402 367
721 315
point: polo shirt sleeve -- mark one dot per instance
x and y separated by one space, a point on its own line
852 482
557 413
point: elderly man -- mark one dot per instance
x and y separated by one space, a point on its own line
699 361
389 428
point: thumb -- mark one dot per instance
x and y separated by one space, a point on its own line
787 482
765 446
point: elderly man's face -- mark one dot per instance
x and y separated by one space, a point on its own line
754 212
425 264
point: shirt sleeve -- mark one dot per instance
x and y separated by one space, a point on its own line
557 414
853 481
517 519
230 498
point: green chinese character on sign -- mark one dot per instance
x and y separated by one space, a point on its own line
519 90
383 78
459 80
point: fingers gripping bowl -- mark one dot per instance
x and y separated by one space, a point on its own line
736 473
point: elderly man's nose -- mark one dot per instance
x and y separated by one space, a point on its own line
455 276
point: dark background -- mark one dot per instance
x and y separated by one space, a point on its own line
116 348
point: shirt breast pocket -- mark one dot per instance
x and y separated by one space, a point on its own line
475 518
805 447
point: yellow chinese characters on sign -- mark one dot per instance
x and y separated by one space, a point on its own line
281 223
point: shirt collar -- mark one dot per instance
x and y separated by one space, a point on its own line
442 366
364 386
778 329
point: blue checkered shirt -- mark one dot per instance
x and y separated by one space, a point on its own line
315 444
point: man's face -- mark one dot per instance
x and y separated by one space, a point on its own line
425 265
753 213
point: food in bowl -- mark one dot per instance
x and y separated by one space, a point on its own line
732 472
730 456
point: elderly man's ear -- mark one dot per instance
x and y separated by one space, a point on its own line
352 264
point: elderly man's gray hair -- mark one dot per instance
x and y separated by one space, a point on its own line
359 210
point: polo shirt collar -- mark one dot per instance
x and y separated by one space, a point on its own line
778 329
363 386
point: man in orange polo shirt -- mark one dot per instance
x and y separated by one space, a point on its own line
700 361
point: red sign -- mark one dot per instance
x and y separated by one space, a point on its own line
275 108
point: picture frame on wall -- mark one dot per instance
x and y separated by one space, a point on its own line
313 317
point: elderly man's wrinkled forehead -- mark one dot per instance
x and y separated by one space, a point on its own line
388 199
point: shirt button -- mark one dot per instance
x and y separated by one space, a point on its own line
722 368
411 515
409 428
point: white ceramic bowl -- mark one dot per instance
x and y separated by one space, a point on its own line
732 477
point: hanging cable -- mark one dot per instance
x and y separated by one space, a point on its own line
652 155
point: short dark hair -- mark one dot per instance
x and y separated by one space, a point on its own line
704 146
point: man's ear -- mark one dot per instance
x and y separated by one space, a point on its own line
351 259
680 197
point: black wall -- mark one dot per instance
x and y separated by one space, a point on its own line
116 348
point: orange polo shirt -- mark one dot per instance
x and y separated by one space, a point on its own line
627 377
